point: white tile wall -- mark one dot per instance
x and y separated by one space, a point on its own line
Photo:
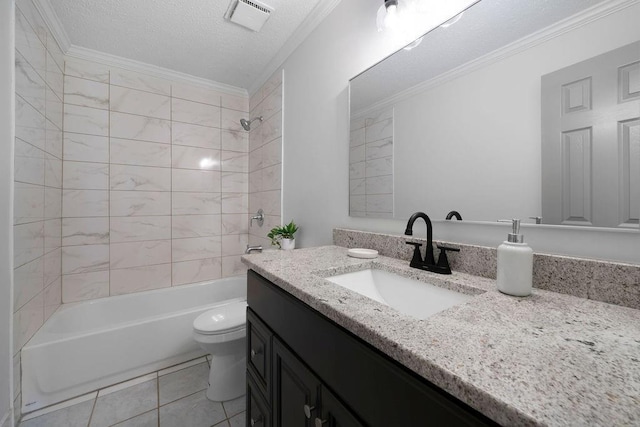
130 126
139 102
154 184
124 182
264 167
38 177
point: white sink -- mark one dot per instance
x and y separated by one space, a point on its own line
409 296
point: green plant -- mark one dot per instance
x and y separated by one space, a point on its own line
285 232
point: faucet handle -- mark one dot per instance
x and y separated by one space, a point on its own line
447 248
417 256
443 260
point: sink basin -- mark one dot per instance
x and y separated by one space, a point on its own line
409 296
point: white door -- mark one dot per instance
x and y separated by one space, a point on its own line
591 141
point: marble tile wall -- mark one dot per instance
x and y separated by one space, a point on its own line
265 159
155 182
39 66
371 165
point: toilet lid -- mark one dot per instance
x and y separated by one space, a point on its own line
222 319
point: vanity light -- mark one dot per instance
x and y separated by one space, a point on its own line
407 20
387 15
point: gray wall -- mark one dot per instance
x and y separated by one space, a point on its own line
6 200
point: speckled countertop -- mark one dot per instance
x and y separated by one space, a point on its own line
547 359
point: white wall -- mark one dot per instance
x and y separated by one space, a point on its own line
316 135
316 117
6 200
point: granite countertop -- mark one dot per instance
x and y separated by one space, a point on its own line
547 359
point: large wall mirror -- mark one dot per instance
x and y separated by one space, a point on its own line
522 108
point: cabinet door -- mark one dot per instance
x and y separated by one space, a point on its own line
334 413
258 352
258 414
295 390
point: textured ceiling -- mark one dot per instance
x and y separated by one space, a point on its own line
483 28
190 36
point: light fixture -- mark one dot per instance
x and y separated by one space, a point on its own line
387 15
408 20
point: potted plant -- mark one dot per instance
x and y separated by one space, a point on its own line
283 237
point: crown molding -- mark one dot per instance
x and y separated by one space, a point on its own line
580 19
319 12
52 21
79 52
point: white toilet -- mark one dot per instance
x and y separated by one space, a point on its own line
221 332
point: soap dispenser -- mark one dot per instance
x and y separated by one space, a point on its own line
515 263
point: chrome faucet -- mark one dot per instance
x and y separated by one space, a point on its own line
250 249
259 217
428 263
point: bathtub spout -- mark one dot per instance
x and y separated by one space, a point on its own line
253 248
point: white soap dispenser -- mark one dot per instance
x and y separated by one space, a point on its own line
515 263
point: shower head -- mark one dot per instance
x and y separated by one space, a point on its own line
246 124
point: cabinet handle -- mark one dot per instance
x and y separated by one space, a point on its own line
254 353
307 410
319 422
256 421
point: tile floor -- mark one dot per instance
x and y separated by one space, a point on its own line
173 397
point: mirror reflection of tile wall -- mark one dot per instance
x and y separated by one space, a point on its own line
371 165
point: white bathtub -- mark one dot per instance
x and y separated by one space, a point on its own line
89 345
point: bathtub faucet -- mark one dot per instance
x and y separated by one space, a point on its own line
253 248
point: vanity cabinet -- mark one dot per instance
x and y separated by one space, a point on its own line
314 373
296 396
300 398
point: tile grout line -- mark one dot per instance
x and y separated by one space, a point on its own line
93 408
109 179
170 209
158 397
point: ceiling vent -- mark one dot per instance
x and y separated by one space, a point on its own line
250 14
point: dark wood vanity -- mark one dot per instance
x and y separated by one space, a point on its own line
305 370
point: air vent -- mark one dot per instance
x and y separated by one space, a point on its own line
250 14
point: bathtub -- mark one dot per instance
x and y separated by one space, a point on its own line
89 345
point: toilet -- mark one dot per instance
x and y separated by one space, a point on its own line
221 332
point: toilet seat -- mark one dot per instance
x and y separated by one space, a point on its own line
222 323
221 332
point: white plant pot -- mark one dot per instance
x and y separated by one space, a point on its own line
288 244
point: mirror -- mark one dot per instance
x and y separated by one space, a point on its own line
458 122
